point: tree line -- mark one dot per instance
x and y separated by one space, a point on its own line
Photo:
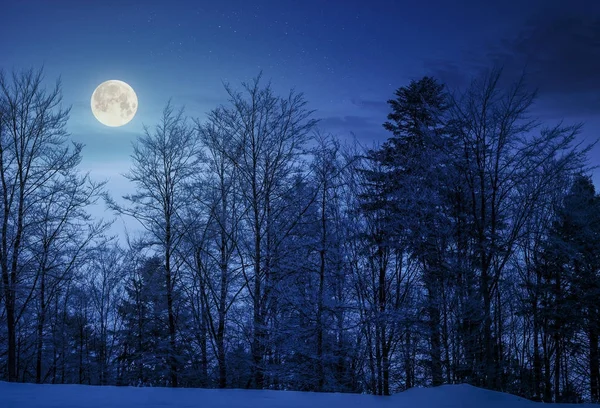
463 249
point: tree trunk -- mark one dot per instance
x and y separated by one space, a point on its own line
172 332
594 365
12 338
407 361
547 370
537 364
322 266
386 369
257 350
557 364
434 330
489 368
203 336
12 367
537 360
40 329
221 320
9 284
9 301
445 338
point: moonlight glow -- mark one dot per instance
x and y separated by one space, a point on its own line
114 103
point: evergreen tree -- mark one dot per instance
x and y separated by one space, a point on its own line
144 341
571 283
413 188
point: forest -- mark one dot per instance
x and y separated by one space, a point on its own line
462 249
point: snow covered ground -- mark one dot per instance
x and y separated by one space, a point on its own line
81 396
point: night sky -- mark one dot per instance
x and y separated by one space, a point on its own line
347 56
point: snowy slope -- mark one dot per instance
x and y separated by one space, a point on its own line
81 396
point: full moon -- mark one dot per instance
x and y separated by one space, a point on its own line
114 103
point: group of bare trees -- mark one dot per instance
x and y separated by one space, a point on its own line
274 256
46 233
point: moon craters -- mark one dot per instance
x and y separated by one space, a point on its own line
114 103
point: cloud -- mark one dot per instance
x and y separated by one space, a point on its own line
559 53
366 128
563 53
373 105
455 74
357 122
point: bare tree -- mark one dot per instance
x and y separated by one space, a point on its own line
214 244
163 163
506 169
268 134
33 152
106 275
61 240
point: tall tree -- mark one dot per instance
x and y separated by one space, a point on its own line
506 168
571 282
268 134
420 170
34 151
215 241
164 162
63 236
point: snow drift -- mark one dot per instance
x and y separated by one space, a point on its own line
82 396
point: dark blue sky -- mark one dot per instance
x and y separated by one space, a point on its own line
347 56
